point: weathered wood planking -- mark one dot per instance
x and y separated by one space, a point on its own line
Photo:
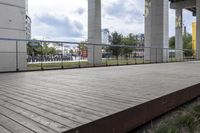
59 101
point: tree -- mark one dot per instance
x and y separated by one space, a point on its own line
172 42
36 49
187 44
129 41
116 39
71 51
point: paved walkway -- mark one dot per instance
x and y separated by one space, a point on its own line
57 101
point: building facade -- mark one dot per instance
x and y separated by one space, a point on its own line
13 24
105 36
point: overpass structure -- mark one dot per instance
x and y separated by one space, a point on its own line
156 27
13 25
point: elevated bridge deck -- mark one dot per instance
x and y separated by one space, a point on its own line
94 100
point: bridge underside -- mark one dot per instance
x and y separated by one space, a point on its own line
184 4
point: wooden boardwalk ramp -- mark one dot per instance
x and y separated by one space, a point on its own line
94 100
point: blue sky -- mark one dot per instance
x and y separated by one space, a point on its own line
67 19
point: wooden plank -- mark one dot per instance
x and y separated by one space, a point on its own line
13 126
4 130
54 100
94 95
45 118
69 109
28 123
129 119
82 103
78 96
63 114
86 91
83 111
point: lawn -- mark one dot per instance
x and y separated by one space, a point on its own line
105 62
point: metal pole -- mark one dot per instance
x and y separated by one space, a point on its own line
42 68
127 59
107 56
156 55
150 55
167 55
143 56
79 54
135 56
17 69
93 55
62 65
117 59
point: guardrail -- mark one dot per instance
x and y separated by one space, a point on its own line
29 55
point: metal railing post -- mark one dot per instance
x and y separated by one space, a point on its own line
143 56
107 56
156 55
117 58
94 55
42 67
17 58
135 56
127 59
150 55
79 55
62 56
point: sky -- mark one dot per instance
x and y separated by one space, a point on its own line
66 20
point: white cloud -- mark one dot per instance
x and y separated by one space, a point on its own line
76 13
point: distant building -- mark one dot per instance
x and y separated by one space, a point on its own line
105 36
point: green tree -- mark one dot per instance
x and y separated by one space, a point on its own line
116 39
172 42
34 48
38 49
71 51
187 44
48 50
129 41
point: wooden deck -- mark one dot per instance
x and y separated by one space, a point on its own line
93 100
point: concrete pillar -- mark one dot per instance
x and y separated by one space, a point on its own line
156 30
179 35
198 28
94 32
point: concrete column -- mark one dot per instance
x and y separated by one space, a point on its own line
198 28
94 32
156 30
179 35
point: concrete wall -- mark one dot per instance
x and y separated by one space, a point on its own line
12 25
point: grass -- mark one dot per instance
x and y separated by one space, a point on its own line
108 62
185 119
